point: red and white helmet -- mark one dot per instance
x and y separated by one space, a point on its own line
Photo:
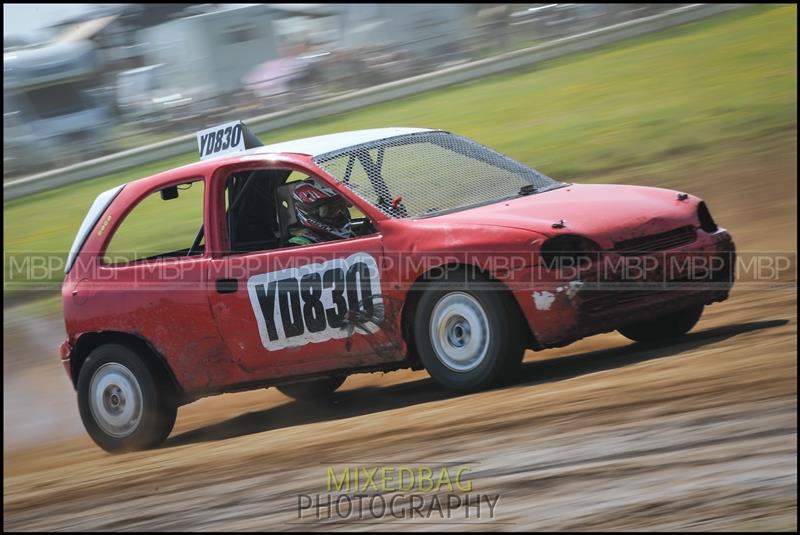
322 210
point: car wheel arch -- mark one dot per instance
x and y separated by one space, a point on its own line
417 288
89 341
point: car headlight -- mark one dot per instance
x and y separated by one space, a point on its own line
704 217
569 252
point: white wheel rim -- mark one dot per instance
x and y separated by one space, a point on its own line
115 400
459 332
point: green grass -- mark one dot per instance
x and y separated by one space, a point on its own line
701 91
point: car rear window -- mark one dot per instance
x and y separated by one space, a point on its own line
98 208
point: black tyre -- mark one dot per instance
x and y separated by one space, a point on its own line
669 326
467 332
315 390
126 402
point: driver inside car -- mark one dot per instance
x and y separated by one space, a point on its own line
322 215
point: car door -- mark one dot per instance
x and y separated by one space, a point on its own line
302 310
148 284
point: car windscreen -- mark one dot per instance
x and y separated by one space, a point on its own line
426 173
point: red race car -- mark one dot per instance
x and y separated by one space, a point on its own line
363 251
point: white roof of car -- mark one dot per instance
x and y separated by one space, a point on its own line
314 146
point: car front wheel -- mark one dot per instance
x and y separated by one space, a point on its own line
669 326
465 333
126 402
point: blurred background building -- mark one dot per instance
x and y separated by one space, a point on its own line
123 75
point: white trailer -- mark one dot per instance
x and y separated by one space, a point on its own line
50 115
203 58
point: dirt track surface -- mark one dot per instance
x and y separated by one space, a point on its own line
699 433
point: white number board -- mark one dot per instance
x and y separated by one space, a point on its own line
220 140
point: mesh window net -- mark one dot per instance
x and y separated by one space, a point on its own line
427 173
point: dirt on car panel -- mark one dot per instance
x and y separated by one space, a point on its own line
388 342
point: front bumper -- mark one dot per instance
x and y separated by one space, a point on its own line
608 295
65 352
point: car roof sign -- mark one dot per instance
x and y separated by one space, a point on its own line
225 139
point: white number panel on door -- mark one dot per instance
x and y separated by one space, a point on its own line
317 302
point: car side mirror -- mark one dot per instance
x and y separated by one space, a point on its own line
169 193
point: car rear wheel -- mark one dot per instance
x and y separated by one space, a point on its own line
126 403
315 390
465 333
669 326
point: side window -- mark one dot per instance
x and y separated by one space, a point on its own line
360 223
166 223
262 215
297 176
252 210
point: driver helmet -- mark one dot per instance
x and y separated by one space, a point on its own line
322 210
